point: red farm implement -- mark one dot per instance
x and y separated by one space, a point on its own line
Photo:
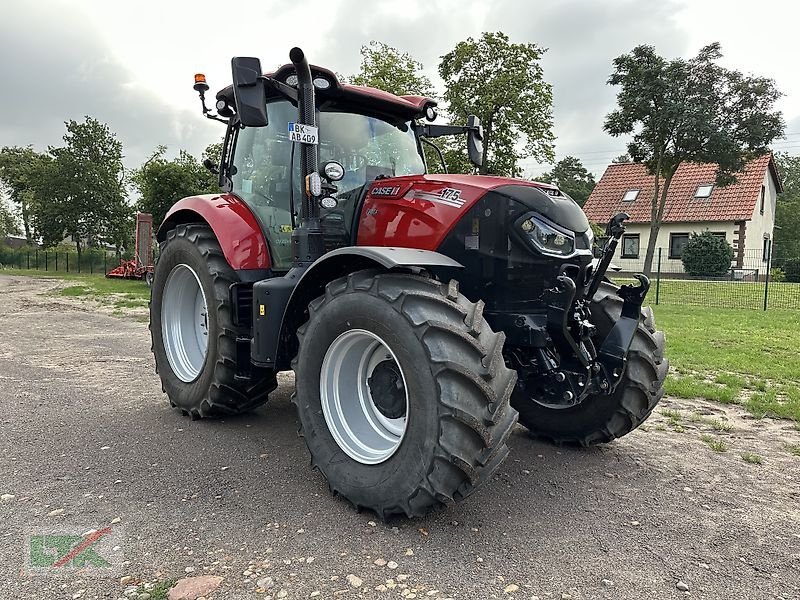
141 265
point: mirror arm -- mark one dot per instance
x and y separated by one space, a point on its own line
434 131
284 90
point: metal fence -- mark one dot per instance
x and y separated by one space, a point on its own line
58 261
752 280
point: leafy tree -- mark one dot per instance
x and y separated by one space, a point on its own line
80 192
503 84
571 177
689 110
706 254
161 182
8 223
622 158
390 70
787 211
18 172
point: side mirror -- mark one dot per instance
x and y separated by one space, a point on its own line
249 91
475 140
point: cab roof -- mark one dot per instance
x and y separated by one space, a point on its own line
347 97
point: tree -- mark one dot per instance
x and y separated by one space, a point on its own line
787 211
503 84
18 172
390 70
572 178
707 255
689 110
622 158
8 223
161 182
80 192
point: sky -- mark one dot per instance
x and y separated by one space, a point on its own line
131 64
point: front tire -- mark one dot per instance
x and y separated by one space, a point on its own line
192 330
603 418
427 415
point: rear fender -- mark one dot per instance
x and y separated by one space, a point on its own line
275 344
235 226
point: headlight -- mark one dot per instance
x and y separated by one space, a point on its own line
547 239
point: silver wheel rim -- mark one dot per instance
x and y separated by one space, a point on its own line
360 429
184 323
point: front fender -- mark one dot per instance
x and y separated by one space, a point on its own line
234 224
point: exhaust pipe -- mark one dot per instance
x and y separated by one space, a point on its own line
307 241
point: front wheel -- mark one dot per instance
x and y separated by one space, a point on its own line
603 418
192 329
402 392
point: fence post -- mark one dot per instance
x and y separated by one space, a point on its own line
91 264
67 259
105 261
658 277
79 263
37 259
45 260
28 257
766 278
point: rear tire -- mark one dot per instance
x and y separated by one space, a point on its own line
200 382
604 418
454 381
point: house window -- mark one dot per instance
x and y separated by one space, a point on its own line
763 193
767 249
677 242
703 191
630 245
630 195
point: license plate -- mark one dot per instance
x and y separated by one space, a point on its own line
305 134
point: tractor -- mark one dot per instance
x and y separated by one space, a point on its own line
423 315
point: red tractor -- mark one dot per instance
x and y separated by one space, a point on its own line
422 314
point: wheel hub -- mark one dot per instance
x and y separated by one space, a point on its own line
364 396
387 390
184 323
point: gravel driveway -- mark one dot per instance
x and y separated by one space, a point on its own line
88 437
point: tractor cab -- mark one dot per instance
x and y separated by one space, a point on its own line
370 133
265 170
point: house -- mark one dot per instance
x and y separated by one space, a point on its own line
744 213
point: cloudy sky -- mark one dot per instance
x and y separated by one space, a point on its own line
131 63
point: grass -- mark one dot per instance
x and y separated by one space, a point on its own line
114 292
793 449
740 356
159 591
715 444
752 459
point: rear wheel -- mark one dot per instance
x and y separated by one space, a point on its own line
192 330
402 392
603 418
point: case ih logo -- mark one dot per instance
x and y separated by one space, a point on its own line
448 196
386 191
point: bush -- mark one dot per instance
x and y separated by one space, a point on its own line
777 274
791 266
707 255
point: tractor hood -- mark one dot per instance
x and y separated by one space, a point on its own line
543 198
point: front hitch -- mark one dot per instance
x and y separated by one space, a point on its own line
612 355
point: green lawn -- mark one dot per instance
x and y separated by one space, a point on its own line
739 356
723 294
116 292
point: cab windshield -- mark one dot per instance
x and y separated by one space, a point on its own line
267 170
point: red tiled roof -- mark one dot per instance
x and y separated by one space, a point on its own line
731 203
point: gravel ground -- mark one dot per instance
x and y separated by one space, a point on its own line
88 440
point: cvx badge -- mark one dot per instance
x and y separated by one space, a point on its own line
305 134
